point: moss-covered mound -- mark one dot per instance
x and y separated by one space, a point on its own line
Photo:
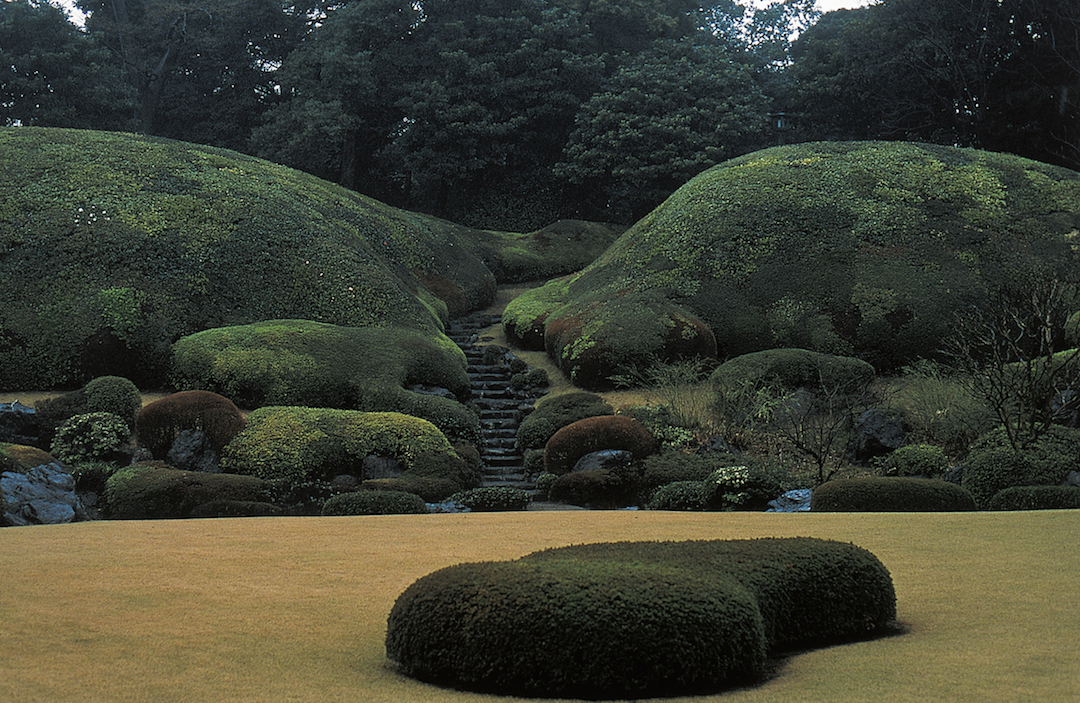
115 245
635 619
156 490
299 362
861 249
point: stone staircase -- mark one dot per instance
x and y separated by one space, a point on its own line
498 404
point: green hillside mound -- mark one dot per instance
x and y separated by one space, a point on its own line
116 245
860 249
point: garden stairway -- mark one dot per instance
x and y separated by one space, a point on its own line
498 404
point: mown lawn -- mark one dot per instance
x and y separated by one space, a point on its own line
294 609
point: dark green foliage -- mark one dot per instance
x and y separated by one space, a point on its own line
552 413
492 499
993 465
159 423
90 437
375 502
597 489
113 394
18 458
673 465
890 495
916 460
544 482
52 412
593 434
157 490
297 444
791 369
533 461
235 508
559 248
635 619
1037 498
748 485
860 249
432 489
678 495
92 476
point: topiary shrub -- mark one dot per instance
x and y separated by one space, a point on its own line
916 460
598 489
113 394
552 413
159 424
489 499
296 445
375 502
157 490
593 434
673 465
791 369
432 489
1037 498
235 508
890 495
635 619
90 437
678 495
17 458
993 465
745 486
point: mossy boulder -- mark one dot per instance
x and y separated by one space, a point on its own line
635 619
300 362
860 249
297 444
17 458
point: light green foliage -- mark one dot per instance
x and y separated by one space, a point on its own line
299 444
937 407
862 248
90 437
113 394
375 502
678 495
916 460
744 486
492 499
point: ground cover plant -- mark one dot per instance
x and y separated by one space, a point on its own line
294 609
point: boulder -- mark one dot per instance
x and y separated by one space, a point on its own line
381 467
796 501
611 459
44 495
191 451
877 433
18 424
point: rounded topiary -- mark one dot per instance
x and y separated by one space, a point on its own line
492 499
159 423
113 394
552 413
1037 498
635 619
448 465
90 437
745 486
890 495
432 489
595 488
673 465
157 490
791 369
916 460
678 495
375 502
993 465
593 434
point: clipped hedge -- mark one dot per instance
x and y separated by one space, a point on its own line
791 369
157 490
552 413
159 423
599 489
678 495
890 495
635 619
993 465
108 394
593 434
916 460
375 502
487 499
296 444
431 488
672 465
1037 498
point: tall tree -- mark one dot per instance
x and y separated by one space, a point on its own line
54 75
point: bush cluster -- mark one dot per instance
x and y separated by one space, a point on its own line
598 489
593 434
432 489
890 495
375 502
993 465
678 495
90 437
159 424
916 460
635 619
552 413
1037 498
157 490
492 499
106 394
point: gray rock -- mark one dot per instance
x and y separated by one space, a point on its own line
797 501
431 390
44 495
18 424
611 459
191 452
344 483
1072 479
877 433
381 467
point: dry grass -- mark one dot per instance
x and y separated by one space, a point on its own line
294 609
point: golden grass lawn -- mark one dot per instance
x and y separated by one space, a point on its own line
294 609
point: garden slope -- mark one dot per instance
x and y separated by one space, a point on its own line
295 609
863 249
115 245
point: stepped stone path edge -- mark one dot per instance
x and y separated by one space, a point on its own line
498 404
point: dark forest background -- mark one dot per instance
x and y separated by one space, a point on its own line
511 114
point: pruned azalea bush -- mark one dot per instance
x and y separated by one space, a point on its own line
635 619
890 495
161 422
90 437
375 502
1037 498
593 434
157 490
489 499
